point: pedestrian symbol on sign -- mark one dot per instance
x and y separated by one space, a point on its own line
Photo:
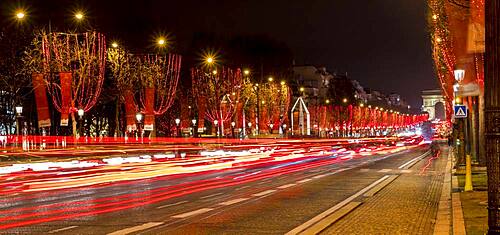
460 111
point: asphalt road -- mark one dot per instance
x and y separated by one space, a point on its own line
267 197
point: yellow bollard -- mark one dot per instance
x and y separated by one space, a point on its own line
468 174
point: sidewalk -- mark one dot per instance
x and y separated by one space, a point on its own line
408 205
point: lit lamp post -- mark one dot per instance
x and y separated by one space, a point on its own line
19 112
138 117
250 127
284 129
233 124
459 76
194 127
81 112
271 128
177 123
216 123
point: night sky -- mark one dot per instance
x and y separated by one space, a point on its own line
383 44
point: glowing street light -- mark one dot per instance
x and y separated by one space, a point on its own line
210 60
79 15
246 72
302 89
161 41
20 14
327 101
459 75
114 45
283 83
270 79
214 72
344 100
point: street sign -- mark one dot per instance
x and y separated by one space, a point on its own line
460 111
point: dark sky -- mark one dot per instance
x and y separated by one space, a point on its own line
383 44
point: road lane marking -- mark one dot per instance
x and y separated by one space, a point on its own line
328 212
240 188
62 229
406 171
234 201
408 164
191 213
385 170
303 181
286 186
319 176
173 204
264 193
211 195
136 228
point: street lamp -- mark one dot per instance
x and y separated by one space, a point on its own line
233 124
161 41
210 60
459 75
138 117
20 14
114 45
79 15
19 112
271 128
284 129
80 114
216 127
177 123
246 72
250 127
194 125
270 79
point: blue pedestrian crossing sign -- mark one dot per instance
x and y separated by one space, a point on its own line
460 111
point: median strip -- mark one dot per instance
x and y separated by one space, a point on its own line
301 228
379 187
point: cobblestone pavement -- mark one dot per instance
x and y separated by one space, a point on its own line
406 206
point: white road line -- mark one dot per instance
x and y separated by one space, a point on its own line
191 213
303 181
406 171
286 186
321 216
211 195
240 188
136 228
264 193
173 204
264 182
319 176
408 163
234 201
62 229
364 170
385 170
